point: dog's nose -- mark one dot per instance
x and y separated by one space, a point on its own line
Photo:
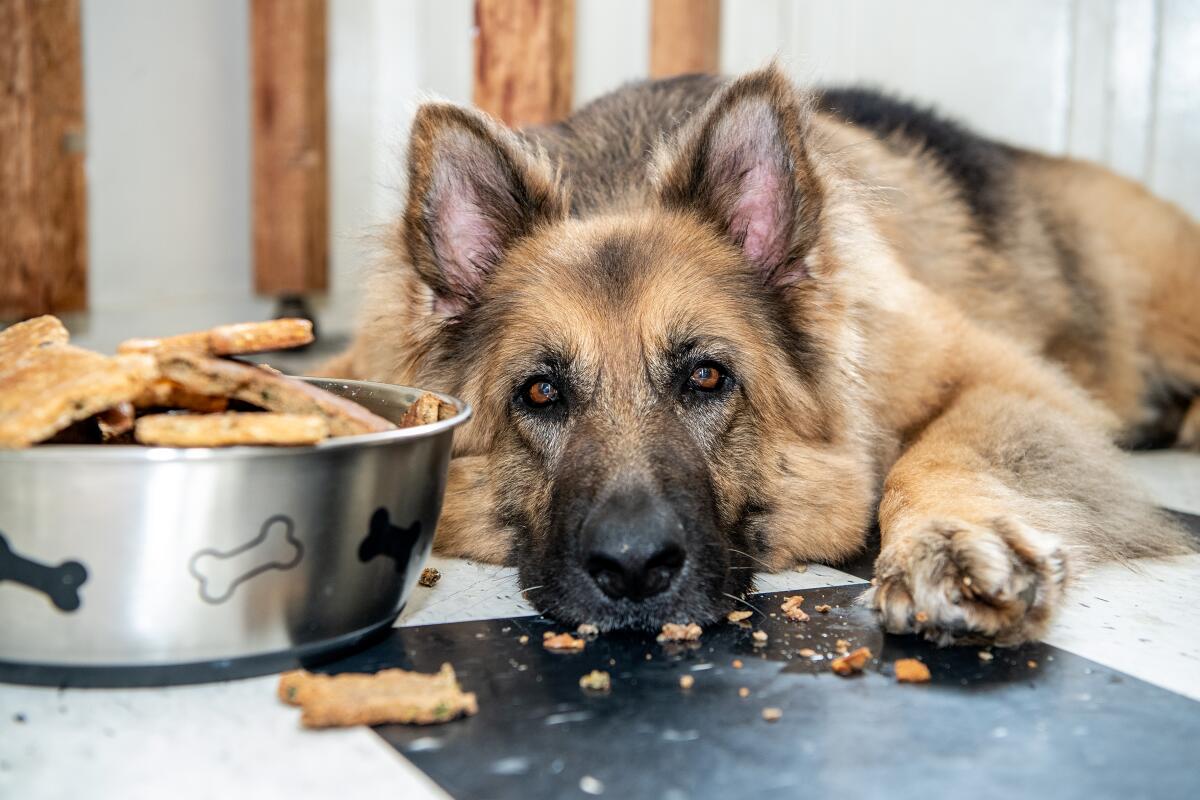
633 545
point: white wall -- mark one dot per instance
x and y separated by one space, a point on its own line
167 97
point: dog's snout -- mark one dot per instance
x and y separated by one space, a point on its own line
633 545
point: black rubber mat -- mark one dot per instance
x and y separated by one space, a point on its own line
1030 722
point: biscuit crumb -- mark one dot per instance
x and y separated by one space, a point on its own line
738 616
911 670
563 643
852 663
429 577
737 663
984 655
791 608
686 682
1031 664
772 714
596 681
760 637
587 629
523 639
674 632
823 608
744 692
806 652
841 645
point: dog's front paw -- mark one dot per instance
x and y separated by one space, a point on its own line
954 581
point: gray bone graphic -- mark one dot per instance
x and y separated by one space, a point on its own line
220 574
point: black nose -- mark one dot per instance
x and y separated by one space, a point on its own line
633 545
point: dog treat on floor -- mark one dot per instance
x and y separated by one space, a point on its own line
772 714
230 428
596 681
911 670
791 608
674 632
686 681
562 643
56 384
738 616
269 390
259 337
851 663
237 339
429 577
388 696
823 609
24 337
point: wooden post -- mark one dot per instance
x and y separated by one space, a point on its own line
291 219
524 59
684 37
43 202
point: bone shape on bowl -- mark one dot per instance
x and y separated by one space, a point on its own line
220 573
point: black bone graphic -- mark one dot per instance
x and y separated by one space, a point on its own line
61 584
220 573
385 539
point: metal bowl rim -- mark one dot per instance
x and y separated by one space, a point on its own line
140 454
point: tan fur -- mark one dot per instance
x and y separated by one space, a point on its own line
976 415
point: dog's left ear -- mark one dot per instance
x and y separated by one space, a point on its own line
741 163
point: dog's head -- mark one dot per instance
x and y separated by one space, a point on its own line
665 396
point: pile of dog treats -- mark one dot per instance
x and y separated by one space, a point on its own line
178 391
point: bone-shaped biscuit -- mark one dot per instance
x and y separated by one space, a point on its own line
61 584
386 539
219 574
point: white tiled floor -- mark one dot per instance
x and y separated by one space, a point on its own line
234 739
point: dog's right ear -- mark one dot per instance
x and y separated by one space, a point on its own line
473 189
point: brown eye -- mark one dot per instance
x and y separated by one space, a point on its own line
541 393
706 378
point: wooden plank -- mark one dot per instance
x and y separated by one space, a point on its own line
524 59
684 37
291 206
43 202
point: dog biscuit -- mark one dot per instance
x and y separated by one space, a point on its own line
228 340
388 696
424 410
164 393
230 428
57 384
269 390
257 337
116 421
18 340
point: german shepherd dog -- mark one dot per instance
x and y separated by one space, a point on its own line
710 325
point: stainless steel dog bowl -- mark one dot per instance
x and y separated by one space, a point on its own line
149 566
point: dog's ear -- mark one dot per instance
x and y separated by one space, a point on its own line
473 189
741 163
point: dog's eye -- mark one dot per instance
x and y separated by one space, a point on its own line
706 378
539 393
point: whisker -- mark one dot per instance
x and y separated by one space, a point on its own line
752 558
534 588
744 602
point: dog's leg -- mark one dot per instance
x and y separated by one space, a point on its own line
992 508
469 526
